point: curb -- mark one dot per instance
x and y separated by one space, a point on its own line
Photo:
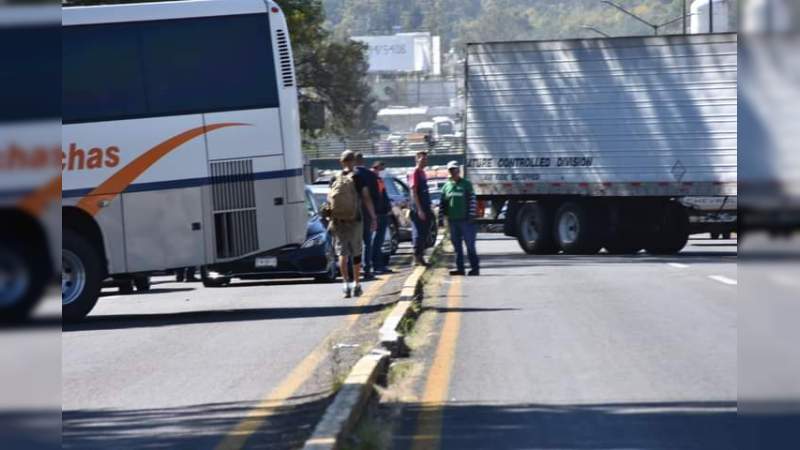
341 415
344 412
390 336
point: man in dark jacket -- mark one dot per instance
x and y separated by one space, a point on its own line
459 205
370 182
421 209
383 209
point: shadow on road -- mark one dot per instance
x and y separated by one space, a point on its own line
197 426
152 291
124 321
508 260
685 425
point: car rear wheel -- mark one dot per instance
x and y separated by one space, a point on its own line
213 282
333 268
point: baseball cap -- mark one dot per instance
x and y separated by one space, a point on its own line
453 165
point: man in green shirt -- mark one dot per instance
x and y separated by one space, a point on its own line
459 205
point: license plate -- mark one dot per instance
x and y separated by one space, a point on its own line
268 261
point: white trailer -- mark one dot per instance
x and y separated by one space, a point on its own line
594 143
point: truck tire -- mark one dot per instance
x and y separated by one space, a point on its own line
671 232
535 229
575 231
82 275
22 281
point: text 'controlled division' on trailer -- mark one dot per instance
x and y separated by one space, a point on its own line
180 140
605 143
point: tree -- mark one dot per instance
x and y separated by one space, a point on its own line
331 72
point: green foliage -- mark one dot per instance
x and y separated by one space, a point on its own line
461 21
328 70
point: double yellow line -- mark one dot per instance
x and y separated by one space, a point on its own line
429 421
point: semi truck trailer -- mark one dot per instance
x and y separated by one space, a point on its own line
615 143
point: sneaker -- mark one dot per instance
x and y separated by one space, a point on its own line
474 272
347 293
457 273
368 277
384 271
357 291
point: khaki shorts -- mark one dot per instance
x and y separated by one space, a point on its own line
349 238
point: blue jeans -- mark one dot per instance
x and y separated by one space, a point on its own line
420 231
369 236
379 259
462 231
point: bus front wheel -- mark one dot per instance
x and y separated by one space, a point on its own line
81 276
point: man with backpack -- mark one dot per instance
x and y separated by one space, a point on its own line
348 195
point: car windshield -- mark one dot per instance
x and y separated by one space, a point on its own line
445 128
310 204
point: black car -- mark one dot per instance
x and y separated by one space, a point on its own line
316 258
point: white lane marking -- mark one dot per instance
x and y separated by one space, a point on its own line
724 280
678 265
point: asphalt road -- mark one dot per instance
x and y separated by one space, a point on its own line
182 366
594 352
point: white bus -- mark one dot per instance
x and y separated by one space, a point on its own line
180 140
30 182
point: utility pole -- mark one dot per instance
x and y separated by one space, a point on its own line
684 16
655 27
600 32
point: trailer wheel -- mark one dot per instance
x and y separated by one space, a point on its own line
575 231
81 276
671 233
535 229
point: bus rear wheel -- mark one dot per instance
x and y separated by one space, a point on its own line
22 281
81 276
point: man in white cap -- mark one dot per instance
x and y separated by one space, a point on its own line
459 205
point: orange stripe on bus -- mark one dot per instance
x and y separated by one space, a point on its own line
118 182
36 202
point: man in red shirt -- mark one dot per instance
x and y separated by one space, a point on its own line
421 210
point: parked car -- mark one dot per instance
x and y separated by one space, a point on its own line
315 258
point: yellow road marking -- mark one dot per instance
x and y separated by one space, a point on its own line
237 437
429 423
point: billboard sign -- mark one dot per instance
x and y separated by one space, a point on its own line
390 53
